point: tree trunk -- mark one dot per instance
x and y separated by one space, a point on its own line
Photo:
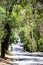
4 44
2 51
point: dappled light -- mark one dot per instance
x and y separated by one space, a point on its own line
21 30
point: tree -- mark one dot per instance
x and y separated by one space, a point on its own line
4 44
33 26
25 16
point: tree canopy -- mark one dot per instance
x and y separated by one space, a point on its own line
26 18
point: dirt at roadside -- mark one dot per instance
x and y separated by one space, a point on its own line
5 61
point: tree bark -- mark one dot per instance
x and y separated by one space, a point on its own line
5 43
2 51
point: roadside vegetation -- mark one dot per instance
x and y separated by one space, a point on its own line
24 19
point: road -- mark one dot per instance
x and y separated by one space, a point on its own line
25 58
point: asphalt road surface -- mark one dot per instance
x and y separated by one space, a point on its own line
25 58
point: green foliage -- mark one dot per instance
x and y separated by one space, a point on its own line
27 18
2 14
33 27
14 37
